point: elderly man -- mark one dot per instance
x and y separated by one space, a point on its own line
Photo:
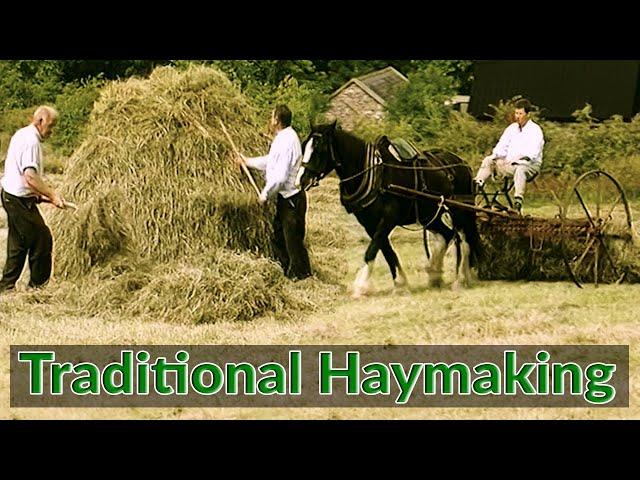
22 188
517 154
281 166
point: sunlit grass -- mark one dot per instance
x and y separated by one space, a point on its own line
492 312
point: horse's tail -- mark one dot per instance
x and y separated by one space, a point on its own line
463 185
470 229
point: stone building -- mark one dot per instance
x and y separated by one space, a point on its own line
364 97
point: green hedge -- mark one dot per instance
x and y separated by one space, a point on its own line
74 104
570 148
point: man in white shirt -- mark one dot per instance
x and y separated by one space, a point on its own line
22 188
281 167
518 153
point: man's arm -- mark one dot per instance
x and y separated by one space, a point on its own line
36 183
502 147
259 163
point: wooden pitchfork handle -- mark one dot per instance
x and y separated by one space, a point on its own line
244 167
45 199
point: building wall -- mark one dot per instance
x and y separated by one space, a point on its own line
351 105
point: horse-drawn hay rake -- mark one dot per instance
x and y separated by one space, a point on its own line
591 238
592 231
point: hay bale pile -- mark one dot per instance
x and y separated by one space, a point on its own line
527 248
168 226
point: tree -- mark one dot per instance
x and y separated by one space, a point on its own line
421 102
24 83
77 70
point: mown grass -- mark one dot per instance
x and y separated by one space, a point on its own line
492 312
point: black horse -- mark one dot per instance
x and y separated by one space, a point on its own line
367 170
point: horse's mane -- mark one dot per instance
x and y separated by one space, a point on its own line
349 140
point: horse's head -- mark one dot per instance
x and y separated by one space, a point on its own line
318 156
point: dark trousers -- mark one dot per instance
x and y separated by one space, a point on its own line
289 231
28 236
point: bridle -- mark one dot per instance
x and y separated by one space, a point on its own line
318 175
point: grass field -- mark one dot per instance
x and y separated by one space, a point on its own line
492 312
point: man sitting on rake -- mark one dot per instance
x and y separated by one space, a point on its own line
518 153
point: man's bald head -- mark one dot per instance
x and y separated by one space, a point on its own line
44 119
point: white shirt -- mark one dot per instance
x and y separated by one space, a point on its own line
25 151
281 164
516 143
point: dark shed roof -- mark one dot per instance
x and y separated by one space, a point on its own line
559 87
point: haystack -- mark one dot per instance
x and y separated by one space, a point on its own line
166 217
156 177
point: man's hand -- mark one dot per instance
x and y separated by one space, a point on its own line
262 199
241 159
522 161
58 201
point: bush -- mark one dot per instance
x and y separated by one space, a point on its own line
468 138
304 100
570 148
10 122
74 104
28 82
587 145
421 101
369 130
54 162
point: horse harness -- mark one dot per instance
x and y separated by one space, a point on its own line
398 156
370 183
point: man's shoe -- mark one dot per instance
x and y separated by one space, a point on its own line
518 205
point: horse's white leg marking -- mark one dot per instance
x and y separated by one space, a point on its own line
463 279
438 247
401 279
361 284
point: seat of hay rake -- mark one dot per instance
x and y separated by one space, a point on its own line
496 200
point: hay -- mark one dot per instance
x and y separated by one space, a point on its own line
99 233
226 286
168 227
156 161
527 248
327 233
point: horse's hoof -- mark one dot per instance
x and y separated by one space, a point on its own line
401 291
458 286
359 291
400 283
